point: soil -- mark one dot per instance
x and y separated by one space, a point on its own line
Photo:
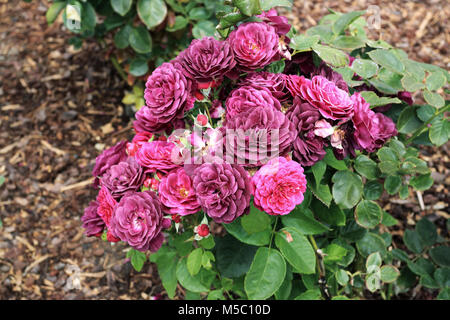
61 107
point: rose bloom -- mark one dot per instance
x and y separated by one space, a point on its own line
255 45
158 155
92 222
279 186
274 82
106 205
168 94
280 23
108 158
255 136
223 190
207 60
138 220
372 130
177 194
125 176
332 102
294 83
308 147
245 98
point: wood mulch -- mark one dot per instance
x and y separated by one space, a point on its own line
61 107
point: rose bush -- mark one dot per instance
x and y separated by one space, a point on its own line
267 151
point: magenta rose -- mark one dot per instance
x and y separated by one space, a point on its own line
207 60
92 222
158 155
280 23
245 98
332 102
255 45
177 194
279 186
108 158
168 94
138 220
325 71
106 205
372 130
274 82
223 190
123 177
294 83
308 146
256 135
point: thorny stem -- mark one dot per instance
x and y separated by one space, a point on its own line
320 268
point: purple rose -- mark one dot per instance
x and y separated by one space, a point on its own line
159 155
92 222
325 71
280 23
257 135
255 45
245 98
125 176
223 190
138 220
308 147
207 59
372 129
274 82
168 94
108 158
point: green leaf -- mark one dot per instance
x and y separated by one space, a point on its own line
373 282
348 42
342 277
194 261
388 220
269 4
387 59
444 294
137 259
408 121
366 167
441 256
332 56
199 13
255 221
54 10
435 81
191 283
301 42
152 12
305 224
388 167
347 189
207 243
321 192
373 190
442 276
422 182
411 83
332 215
368 214
180 23
318 170
138 67
345 20
365 68
331 160
371 243
121 37
389 274
166 263
433 98
426 231
140 40
412 241
425 112
403 193
387 154
400 255
297 250
257 239
248 7
392 184
230 19
266 274
181 243
374 259
203 29
285 289
121 6
439 132
312 294
334 253
233 257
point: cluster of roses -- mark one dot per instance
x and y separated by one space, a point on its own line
144 183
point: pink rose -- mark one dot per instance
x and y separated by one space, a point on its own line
332 102
177 194
279 186
158 155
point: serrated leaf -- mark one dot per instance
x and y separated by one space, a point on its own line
152 12
389 274
387 59
347 189
345 20
365 68
368 214
433 98
332 56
